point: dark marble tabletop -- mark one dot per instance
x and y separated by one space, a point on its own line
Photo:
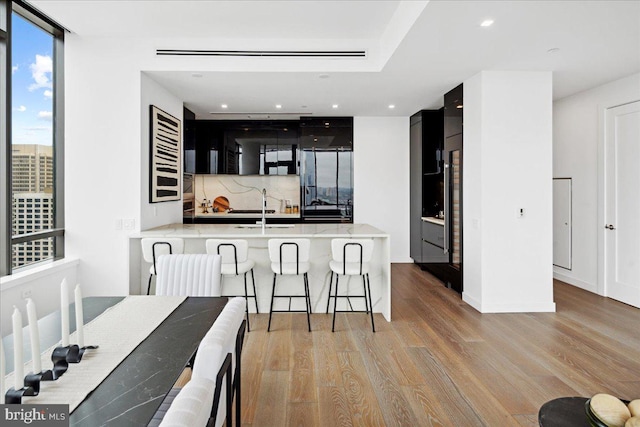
134 390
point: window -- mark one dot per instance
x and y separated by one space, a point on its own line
31 137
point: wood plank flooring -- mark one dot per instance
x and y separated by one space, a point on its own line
439 363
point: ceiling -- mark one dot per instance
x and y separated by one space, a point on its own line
415 50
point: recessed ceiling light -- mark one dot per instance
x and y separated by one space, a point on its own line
225 106
553 50
303 106
324 76
391 106
278 106
285 129
315 139
326 123
459 106
334 106
487 23
196 75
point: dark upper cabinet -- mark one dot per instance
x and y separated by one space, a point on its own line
326 133
433 142
453 112
244 147
189 142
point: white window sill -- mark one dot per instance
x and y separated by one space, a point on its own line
37 272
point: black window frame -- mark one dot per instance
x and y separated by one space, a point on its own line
7 239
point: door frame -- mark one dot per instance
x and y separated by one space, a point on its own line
602 141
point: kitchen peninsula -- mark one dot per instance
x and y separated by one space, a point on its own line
195 236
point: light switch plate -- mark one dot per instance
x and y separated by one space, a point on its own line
129 224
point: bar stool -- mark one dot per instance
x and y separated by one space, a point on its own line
235 262
351 257
152 248
290 257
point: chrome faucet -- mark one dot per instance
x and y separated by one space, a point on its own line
264 209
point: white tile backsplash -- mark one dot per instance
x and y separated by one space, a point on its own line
245 192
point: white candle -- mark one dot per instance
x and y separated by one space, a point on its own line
64 312
79 317
2 370
35 336
18 363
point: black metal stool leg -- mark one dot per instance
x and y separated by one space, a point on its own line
307 292
255 296
246 302
364 287
330 286
307 299
335 306
373 326
149 285
273 292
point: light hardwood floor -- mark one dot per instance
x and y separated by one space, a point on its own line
439 363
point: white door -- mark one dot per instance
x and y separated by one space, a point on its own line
622 203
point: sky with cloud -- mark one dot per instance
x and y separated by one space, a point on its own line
32 96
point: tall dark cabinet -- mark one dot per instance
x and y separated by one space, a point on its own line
436 190
426 179
453 139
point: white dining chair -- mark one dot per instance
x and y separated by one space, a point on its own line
351 257
188 275
227 331
235 262
152 248
215 380
192 405
290 257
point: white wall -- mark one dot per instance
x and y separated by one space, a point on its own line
381 178
155 214
578 135
103 159
507 165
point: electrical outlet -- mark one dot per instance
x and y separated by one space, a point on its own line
26 293
129 224
520 213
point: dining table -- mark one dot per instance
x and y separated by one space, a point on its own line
133 391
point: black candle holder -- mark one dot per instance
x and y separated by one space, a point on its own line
15 396
33 380
59 359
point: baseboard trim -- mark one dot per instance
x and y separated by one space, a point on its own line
510 307
591 287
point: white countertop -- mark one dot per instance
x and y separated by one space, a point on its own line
433 220
238 231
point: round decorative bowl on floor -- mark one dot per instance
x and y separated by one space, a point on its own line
593 419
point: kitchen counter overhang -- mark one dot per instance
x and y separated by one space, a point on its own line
195 236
